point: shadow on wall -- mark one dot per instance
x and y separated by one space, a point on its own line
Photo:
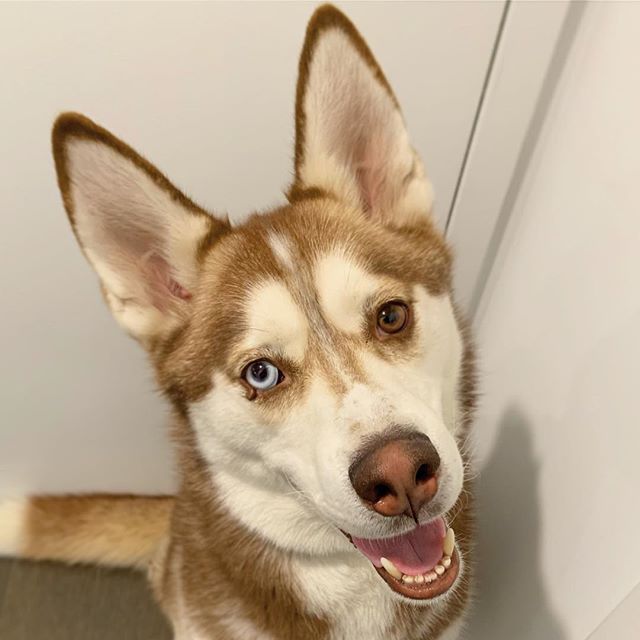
510 602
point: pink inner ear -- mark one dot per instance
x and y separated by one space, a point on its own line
178 290
161 286
370 172
371 182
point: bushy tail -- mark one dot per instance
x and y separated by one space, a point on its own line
111 530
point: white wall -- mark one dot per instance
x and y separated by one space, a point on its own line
624 620
205 90
558 329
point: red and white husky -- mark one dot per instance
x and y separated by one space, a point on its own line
320 379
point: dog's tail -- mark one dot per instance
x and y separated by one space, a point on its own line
110 530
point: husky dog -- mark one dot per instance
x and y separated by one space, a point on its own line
320 378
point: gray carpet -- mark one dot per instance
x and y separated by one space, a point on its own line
49 601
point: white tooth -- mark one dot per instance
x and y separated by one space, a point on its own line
391 568
446 562
431 576
449 543
419 579
439 569
408 579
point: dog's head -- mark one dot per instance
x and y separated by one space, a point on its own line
314 348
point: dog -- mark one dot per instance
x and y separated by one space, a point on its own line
321 379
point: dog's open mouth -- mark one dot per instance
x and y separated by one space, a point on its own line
421 564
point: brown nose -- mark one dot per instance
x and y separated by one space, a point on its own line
396 474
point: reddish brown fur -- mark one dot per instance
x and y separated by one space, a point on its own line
204 540
81 528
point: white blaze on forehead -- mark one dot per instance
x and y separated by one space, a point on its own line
281 249
275 320
343 288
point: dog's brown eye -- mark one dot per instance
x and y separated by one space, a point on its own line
393 317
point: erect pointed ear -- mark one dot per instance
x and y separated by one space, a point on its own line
351 139
141 235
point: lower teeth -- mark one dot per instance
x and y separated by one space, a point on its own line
438 570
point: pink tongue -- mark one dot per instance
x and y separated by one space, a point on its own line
413 553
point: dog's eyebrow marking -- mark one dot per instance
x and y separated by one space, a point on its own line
274 320
343 288
281 249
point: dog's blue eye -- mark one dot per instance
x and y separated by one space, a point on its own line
262 375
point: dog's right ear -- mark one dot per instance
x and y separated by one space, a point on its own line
351 139
143 237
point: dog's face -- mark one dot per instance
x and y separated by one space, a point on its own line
315 348
317 331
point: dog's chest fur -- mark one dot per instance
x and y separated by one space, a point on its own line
348 594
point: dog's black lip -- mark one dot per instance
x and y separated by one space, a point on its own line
348 536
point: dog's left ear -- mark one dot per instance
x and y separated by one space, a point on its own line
351 140
144 238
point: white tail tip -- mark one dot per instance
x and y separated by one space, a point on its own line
13 512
